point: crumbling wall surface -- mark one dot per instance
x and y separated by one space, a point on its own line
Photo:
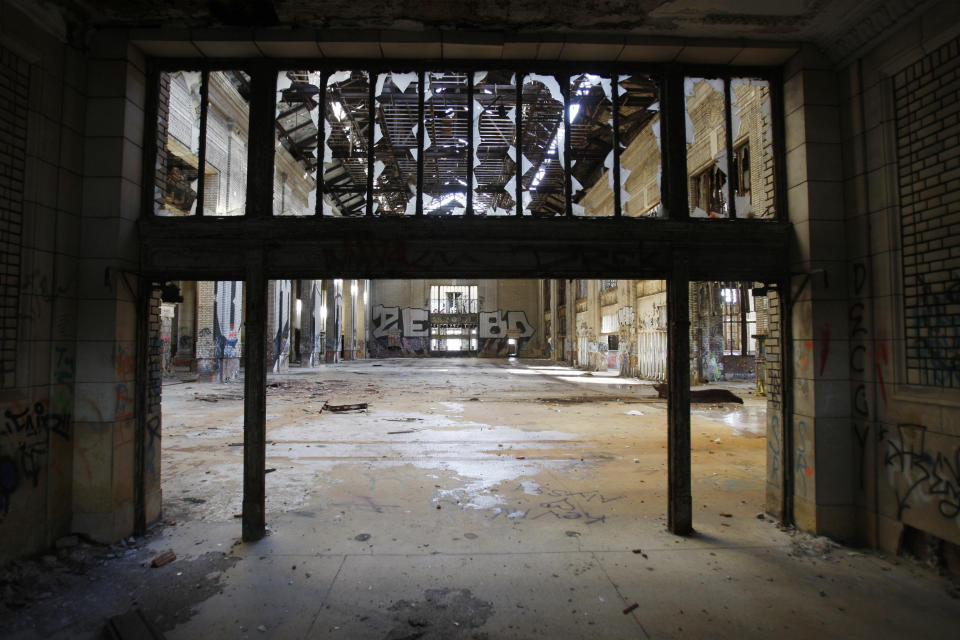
900 121
42 92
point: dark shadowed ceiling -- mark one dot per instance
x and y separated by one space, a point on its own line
838 27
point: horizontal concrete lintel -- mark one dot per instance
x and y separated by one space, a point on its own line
503 248
345 43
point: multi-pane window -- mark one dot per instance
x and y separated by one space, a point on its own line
606 285
581 289
355 141
739 319
454 299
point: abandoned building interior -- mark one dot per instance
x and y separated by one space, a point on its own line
493 320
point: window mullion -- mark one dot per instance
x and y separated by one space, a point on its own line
421 126
202 160
567 182
321 142
615 95
371 124
518 169
729 133
470 144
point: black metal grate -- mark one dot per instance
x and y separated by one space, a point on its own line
14 96
927 102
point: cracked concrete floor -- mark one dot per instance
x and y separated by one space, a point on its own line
484 499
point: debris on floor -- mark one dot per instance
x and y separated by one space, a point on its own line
164 558
216 397
345 407
131 626
630 608
704 396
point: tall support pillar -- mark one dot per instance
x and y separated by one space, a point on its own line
679 508
255 403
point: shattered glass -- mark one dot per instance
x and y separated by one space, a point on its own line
178 144
752 172
295 151
706 134
395 144
227 135
345 144
494 143
541 158
446 144
639 136
590 114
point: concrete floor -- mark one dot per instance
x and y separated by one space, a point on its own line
475 499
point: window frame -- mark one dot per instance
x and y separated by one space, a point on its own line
674 190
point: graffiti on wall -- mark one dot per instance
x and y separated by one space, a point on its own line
281 340
920 475
406 331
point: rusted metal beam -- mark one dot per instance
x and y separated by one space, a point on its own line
679 502
255 400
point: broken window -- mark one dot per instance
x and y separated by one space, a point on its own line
542 134
346 142
590 117
225 160
638 135
178 143
705 102
397 97
752 130
463 143
446 145
494 142
739 319
295 154
707 191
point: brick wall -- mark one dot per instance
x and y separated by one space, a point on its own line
14 93
927 103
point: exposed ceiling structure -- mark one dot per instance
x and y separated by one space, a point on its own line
838 27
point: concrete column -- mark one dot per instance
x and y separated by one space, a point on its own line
679 502
206 356
185 355
334 323
105 406
819 424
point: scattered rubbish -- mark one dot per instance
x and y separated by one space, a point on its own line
636 460
393 433
262 628
238 515
630 608
572 534
438 506
704 396
717 441
403 419
345 407
470 536
474 400
760 516
724 514
521 457
638 550
164 558
269 470
130 625
215 397
634 412
193 500
587 375
362 537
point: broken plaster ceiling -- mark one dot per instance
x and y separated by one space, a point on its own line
838 27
